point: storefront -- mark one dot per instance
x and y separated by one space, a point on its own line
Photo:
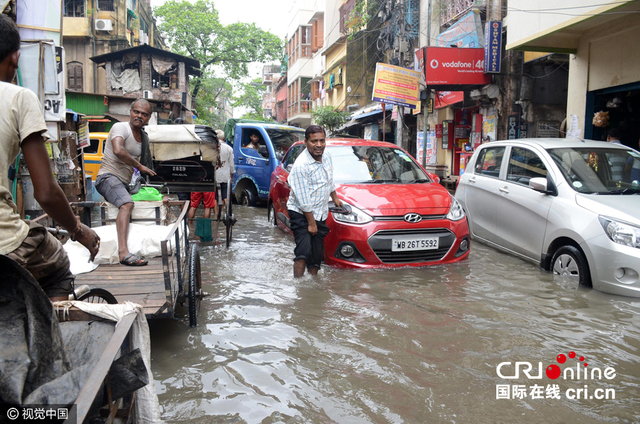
604 69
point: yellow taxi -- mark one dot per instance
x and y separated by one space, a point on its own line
93 153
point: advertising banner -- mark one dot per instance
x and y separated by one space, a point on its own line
428 157
395 85
447 98
453 66
492 47
432 148
83 135
467 32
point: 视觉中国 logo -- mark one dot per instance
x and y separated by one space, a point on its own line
570 377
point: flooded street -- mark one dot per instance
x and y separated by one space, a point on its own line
412 345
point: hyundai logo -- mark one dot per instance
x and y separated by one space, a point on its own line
413 218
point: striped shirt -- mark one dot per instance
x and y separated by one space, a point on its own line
311 184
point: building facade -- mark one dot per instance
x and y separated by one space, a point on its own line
96 27
604 67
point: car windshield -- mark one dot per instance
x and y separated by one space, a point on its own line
374 164
282 139
599 170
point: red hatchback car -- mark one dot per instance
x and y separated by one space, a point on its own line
399 215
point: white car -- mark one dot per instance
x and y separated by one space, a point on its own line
571 205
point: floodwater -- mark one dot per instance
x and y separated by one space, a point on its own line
411 345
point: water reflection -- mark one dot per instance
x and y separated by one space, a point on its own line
400 346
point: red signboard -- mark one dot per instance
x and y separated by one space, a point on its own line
438 130
455 66
447 98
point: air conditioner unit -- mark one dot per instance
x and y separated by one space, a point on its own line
104 25
147 94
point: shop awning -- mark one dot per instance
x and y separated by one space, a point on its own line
120 118
374 112
564 37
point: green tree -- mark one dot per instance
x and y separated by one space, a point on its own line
329 117
251 98
211 100
194 30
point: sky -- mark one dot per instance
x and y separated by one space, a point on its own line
270 15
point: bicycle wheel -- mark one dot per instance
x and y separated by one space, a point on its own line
195 284
229 221
219 216
98 296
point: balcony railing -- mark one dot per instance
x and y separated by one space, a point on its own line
298 107
455 8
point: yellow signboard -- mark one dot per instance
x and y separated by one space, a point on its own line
396 86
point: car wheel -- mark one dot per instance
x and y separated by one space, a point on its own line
271 215
248 197
569 263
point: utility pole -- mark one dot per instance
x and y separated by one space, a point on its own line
425 103
401 45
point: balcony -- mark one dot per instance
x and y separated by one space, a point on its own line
299 112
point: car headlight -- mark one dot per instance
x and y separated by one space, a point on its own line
621 232
456 213
355 217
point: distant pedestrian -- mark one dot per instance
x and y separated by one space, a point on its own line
209 201
633 167
613 136
616 162
311 181
226 169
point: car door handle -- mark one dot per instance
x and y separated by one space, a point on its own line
504 190
240 159
472 180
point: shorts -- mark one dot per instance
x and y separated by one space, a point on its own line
209 199
114 191
223 191
44 257
308 247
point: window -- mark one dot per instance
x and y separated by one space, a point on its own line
74 76
93 146
107 5
74 8
315 90
524 165
317 34
489 162
292 156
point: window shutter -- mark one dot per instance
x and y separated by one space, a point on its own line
74 76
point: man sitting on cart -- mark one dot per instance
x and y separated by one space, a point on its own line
127 143
22 125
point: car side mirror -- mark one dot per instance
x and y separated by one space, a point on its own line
289 167
262 149
538 184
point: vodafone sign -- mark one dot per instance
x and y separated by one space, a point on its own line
454 66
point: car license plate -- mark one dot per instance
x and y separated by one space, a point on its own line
422 243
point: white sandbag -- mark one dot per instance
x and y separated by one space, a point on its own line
144 241
144 209
79 258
